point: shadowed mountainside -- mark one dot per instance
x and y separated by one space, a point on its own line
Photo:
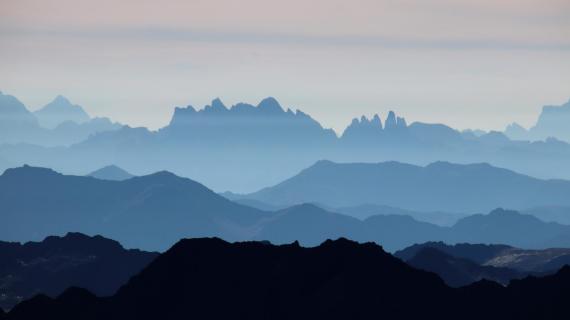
458 272
57 263
337 280
150 212
496 255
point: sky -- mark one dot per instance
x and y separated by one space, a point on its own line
469 64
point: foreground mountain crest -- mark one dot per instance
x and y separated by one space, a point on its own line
335 280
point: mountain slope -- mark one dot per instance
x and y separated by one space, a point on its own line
151 212
148 212
440 186
57 263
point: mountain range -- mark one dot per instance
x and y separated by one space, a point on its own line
59 123
58 111
152 212
496 255
268 143
440 186
552 122
459 272
213 279
56 263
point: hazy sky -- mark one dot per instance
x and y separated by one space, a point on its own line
481 63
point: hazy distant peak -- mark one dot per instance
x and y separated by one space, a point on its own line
270 105
111 172
59 110
391 119
555 109
376 120
59 99
217 103
216 106
515 128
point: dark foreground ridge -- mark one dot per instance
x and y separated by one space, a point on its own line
209 278
57 263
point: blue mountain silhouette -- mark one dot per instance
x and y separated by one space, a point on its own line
440 186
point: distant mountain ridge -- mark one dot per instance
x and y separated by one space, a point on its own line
552 123
440 186
151 212
59 123
244 122
58 111
269 143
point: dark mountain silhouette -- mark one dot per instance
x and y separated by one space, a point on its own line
111 172
57 263
501 256
458 272
440 186
552 122
149 212
58 111
213 279
478 253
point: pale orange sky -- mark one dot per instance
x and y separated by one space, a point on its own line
477 64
